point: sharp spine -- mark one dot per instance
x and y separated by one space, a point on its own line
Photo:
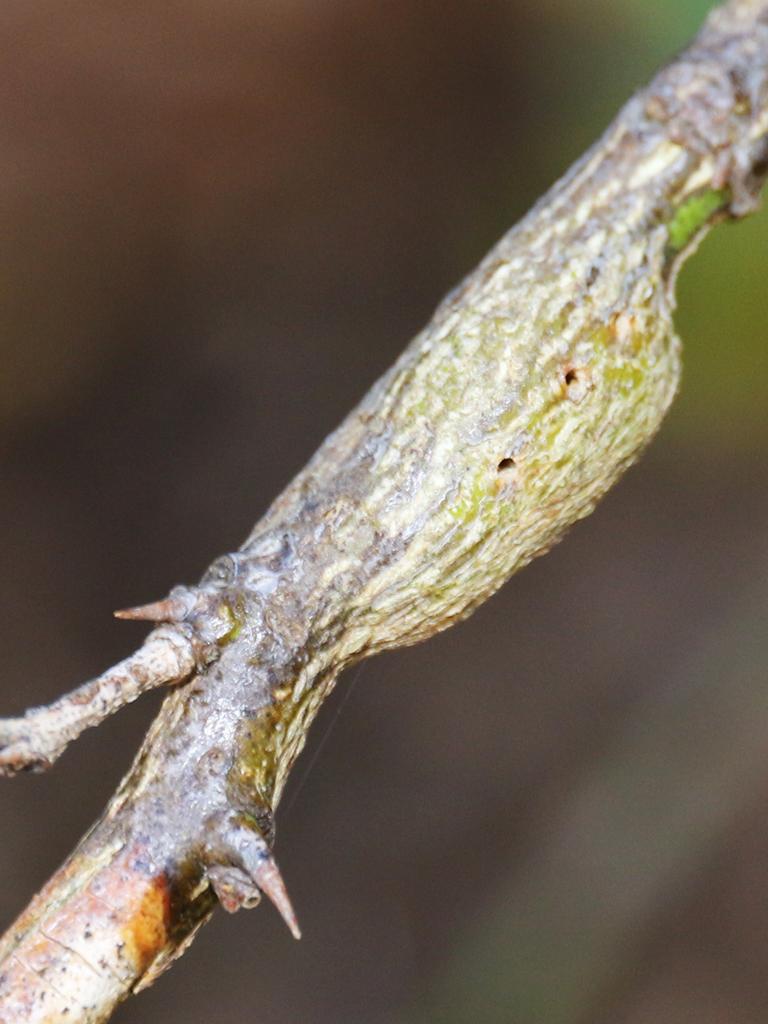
270 881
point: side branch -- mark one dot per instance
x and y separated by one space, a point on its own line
35 741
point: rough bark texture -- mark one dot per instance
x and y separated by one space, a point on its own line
537 382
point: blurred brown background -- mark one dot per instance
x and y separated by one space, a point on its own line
221 221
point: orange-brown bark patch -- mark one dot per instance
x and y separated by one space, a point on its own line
146 932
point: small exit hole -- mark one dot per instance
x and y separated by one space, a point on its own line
571 376
506 464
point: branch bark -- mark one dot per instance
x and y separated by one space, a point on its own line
537 382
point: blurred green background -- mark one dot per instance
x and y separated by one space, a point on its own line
221 223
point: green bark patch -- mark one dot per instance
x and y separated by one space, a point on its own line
693 214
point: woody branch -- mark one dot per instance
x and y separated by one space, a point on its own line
534 386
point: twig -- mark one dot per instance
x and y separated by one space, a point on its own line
537 382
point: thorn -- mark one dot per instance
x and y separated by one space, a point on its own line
171 609
268 878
